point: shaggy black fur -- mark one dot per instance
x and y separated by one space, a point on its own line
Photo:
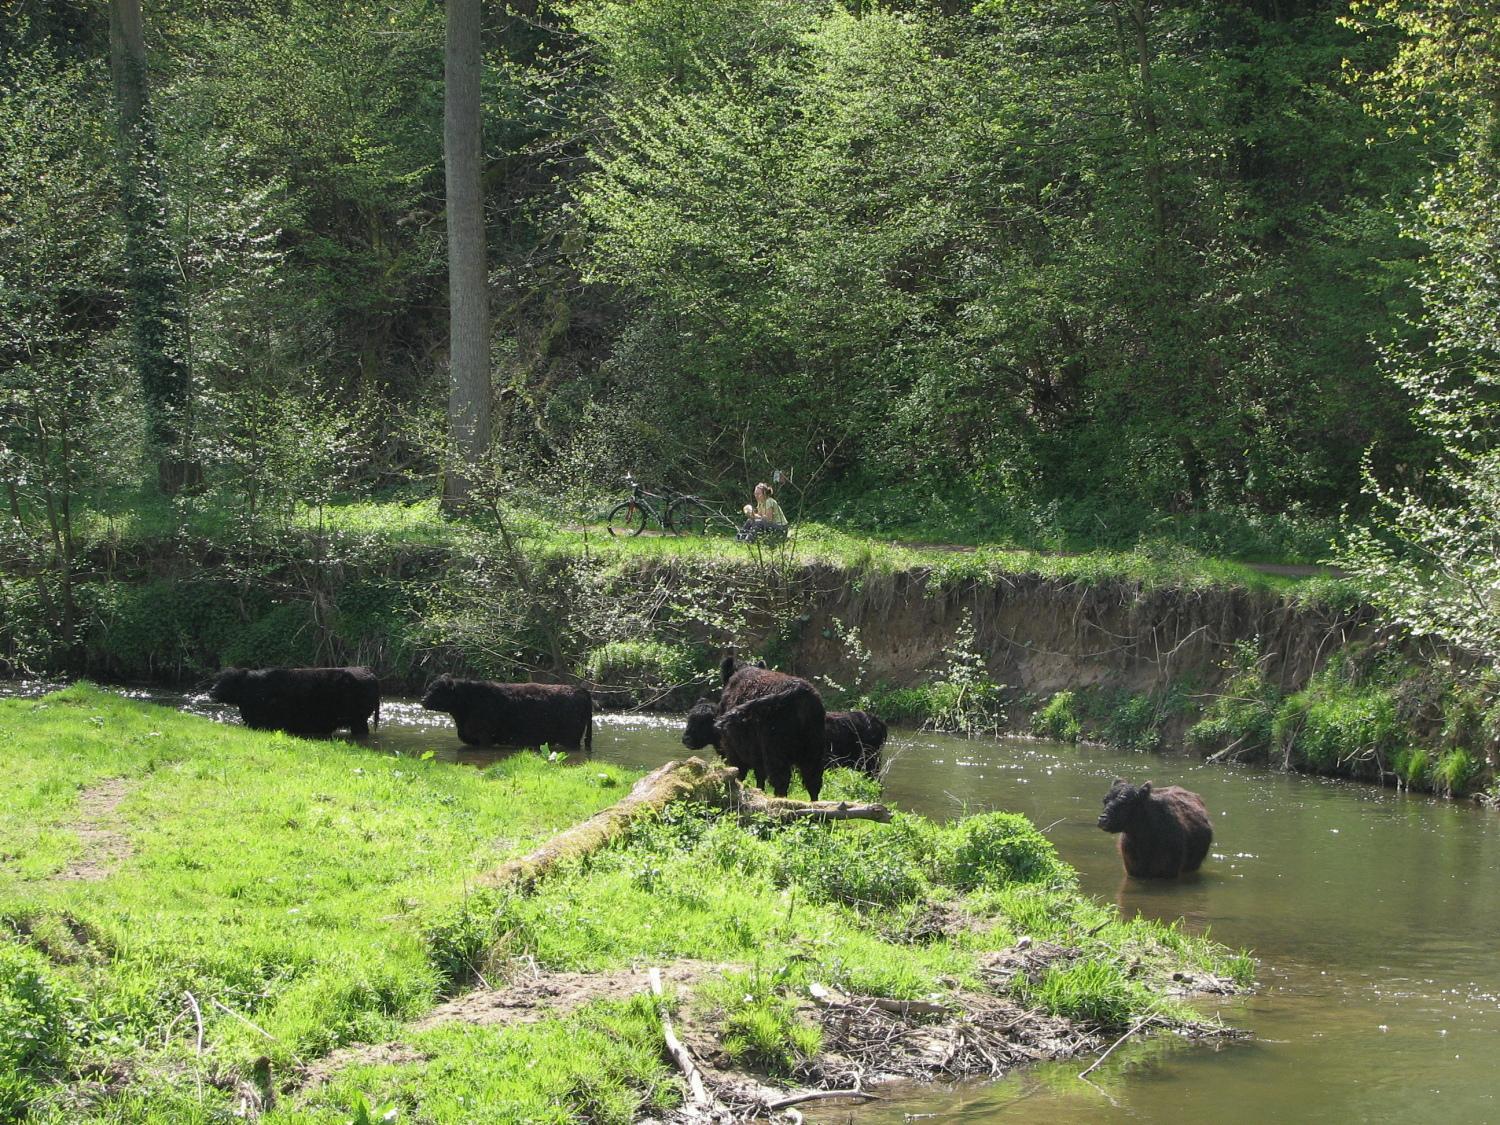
854 740
487 713
1163 832
702 725
766 724
301 700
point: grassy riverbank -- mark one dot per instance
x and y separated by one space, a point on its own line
192 915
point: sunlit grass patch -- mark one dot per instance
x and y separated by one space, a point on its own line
280 881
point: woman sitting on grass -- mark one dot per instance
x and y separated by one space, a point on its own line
766 517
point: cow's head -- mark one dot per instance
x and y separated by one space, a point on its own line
231 686
441 695
1121 804
702 726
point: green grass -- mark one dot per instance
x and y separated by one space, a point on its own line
324 894
294 882
143 516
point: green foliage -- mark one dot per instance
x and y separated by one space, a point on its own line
1457 772
1243 715
963 698
1095 992
843 784
870 869
1058 720
762 1026
1332 725
37 1019
995 849
650 671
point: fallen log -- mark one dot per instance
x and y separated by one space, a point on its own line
752 802
693 780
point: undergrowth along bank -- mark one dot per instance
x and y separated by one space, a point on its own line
244 903
1136 649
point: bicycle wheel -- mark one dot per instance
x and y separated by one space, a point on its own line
690 516
626 518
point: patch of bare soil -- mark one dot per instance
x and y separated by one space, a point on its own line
529 996
104 845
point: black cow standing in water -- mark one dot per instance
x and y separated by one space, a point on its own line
315 701
1164 833
489 713
767 724
854 740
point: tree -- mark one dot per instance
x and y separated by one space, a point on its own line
1431 554
156 315
468 278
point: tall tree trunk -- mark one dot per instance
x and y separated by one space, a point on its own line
468 279
156 316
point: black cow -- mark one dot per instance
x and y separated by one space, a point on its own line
1164 833
302 700
767 723
487 713
854 740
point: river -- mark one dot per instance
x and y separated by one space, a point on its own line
1374 917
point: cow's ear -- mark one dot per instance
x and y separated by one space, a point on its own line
1146 789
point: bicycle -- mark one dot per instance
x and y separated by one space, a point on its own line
677 512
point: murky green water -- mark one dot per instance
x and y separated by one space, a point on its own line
1375 917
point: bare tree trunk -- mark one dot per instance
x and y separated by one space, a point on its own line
468 279
156 315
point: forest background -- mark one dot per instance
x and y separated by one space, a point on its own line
1057 273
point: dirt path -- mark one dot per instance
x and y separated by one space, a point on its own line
104 845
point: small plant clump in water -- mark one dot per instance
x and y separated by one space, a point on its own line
1058 720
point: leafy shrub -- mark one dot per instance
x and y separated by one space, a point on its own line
1134 723
459 941
1244 714
35 1027
1331 725
995 849
764 1029
1058 720
1456 772
643 668
850 864
1411 764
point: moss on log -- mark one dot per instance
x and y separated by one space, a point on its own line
693 781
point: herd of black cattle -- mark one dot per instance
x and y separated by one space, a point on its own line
765 723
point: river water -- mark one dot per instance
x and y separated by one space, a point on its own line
1374 917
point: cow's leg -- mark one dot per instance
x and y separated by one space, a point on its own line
781 778
360 727
812 777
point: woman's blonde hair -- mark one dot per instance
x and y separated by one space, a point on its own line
769 490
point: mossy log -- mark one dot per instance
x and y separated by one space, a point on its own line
693 780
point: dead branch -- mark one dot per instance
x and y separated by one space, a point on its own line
820 1095
197 1015
1139 1024
697 1092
